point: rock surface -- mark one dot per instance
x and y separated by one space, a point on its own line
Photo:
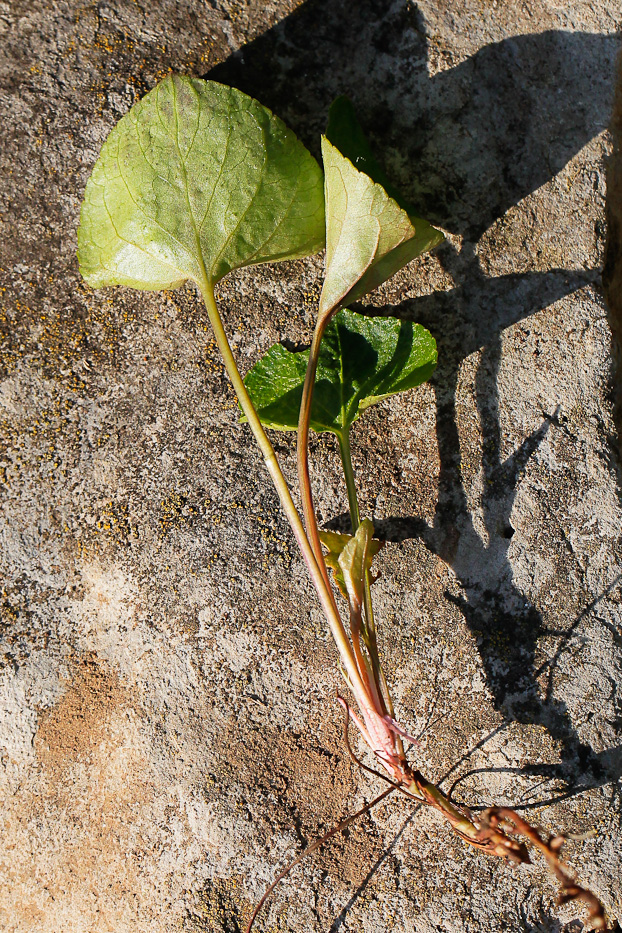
168 734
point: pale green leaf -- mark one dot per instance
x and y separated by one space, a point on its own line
369 234
362 361
335 544
346 134
354 560
195 180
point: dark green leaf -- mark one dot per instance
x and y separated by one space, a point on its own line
362 360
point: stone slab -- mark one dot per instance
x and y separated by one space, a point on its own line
168 731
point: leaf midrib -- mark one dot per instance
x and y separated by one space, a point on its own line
184 176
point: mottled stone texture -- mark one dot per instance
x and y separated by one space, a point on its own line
612 272
168 734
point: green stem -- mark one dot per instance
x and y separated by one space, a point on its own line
355 517
346 461
460 819
323 590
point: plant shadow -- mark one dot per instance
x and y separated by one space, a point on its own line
506 626
465 142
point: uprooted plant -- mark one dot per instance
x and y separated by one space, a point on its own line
198 180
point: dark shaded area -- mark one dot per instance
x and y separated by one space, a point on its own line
463 145
612 272
507 627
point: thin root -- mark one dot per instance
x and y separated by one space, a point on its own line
315 845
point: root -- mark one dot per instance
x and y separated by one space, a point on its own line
316 845
507 819
488 832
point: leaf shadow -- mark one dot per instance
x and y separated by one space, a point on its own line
465 141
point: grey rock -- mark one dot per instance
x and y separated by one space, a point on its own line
168 734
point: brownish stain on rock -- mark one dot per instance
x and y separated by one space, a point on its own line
74 835
305 782
76 728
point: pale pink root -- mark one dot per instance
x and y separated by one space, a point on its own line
387 758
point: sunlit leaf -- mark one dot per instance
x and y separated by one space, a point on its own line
195 180
336 543
362 361
354 560
371 232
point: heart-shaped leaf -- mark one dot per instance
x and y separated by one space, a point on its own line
196 180
336 545
370 233
362 360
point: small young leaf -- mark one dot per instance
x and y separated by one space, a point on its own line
336 544
354 560
370 234
362 360
196 180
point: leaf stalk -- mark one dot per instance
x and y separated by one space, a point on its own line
319 579
369 630
302 443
